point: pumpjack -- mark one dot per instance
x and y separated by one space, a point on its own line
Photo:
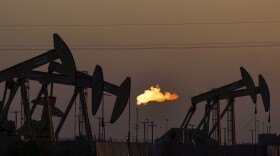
64 73
82 81
202 133
19 72
97 84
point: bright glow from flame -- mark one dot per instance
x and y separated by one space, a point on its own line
154 94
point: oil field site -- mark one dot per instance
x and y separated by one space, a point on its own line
39 134
140 78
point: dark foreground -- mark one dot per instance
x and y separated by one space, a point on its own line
74 148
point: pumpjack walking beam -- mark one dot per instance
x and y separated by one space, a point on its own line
246 81
60 51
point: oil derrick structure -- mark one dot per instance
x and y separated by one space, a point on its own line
15 78
230 92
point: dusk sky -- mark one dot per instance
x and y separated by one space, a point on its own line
153 42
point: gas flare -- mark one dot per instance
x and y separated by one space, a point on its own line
154 94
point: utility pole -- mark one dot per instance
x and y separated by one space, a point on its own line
103 125
219 122
128 136
147 121
104 129
152 125
75 118
16 116
269 130
192 125
252 131
256 123
99 126
257 131
166 120
144 123
102 118
225 136
137 126
21 112
146 136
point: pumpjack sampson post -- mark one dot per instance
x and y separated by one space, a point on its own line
231 91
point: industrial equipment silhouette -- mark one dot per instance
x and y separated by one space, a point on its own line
203 133
64 73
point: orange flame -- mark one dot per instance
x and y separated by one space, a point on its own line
154 94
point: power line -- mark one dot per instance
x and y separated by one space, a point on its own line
141 45
21 49
179 48
141 24
155 47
